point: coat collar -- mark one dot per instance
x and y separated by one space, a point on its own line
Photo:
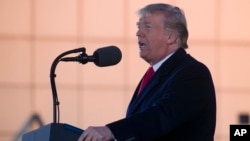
175 60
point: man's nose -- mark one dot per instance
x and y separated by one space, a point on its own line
139 33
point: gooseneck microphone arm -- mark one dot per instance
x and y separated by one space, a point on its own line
102 57
52 81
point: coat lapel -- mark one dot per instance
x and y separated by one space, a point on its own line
138 98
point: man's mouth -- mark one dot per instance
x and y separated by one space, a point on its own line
141 44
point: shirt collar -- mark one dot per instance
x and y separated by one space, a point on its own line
158 65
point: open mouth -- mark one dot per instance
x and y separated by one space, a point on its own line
141 44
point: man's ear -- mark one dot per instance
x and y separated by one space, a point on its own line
172 37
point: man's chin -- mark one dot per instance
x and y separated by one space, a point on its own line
142 55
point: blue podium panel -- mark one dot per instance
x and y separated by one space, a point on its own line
54 132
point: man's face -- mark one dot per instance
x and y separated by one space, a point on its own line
152 37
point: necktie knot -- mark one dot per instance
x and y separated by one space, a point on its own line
150 72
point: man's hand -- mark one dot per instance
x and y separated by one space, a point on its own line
100 133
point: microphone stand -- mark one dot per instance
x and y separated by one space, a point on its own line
52 80
56 131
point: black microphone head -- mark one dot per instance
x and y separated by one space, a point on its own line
107 56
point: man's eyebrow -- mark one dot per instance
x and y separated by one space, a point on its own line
141 22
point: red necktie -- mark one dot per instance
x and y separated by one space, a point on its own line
146 78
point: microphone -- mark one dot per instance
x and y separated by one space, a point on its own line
102 57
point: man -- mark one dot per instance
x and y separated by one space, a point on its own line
178 103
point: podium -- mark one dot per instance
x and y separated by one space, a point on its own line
54 132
